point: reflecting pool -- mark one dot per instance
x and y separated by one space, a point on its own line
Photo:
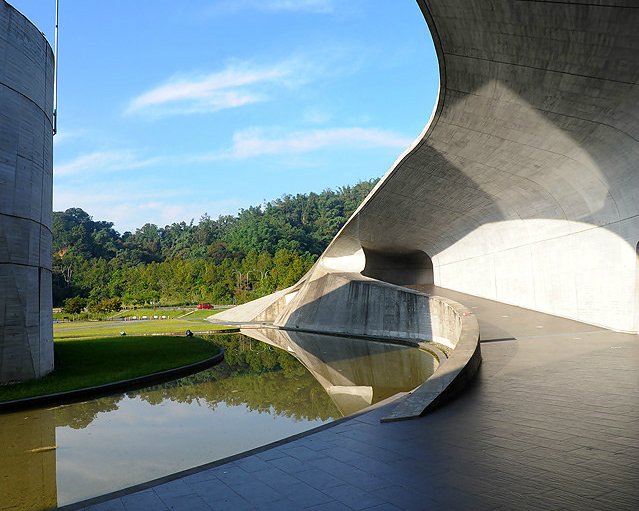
261 393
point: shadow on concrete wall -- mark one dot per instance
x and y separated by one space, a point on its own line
524 183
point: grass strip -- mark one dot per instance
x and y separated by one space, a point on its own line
90 362
86 329
201 314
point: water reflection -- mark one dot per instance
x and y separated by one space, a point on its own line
258 395
28 460
355 373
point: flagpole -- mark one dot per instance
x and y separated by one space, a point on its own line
55 72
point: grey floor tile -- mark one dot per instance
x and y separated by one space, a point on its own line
271 454
251 464
204 475
146 500
273 476
364 480
257 492
289 464
318 478
232 475
353 496
345 455
330 465
335 505
231 504
386 506
110 505
280 505
318 444
303 494
213 489
405 498
300 452
187 503
173 489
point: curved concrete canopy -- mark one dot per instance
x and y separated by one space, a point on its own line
524 187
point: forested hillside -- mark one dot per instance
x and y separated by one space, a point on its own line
239 258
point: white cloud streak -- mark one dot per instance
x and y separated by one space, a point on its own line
300 6
253 143
102 162
243 83
317 6
188 94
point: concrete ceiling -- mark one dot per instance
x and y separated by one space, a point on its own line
524 187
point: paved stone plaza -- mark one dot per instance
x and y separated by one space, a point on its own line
551 423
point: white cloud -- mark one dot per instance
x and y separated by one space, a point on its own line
101 162
229 88
312 6
315 115
318 6
130 207
256 142
243 82
64 136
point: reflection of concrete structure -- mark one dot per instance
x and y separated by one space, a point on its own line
523 188
355 373
26 161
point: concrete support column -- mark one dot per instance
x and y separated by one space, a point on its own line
26 181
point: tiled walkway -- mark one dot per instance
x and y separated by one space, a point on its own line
551 422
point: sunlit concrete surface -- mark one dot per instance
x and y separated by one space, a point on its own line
550 423
523 188
26 162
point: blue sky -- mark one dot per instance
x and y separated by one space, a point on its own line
169 110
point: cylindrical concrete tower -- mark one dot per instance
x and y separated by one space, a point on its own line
26 181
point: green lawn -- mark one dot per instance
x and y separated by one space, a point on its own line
79 329
169 313
201 313
90 362
149 312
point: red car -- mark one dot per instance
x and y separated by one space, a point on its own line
205 306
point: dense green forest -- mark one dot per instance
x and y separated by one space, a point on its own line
239 257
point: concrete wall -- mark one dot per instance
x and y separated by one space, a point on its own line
353 304
26 162
524 186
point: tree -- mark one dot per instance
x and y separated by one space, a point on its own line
74 305
113 304
259 250
106 305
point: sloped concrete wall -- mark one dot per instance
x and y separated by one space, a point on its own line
344 303
524 186
26 162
